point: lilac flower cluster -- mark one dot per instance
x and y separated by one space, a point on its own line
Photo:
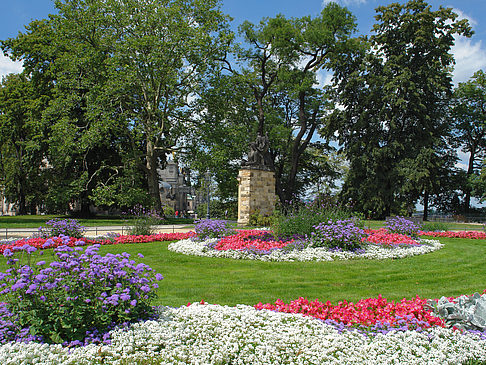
340 234
402 225
209 228
57 226
75 300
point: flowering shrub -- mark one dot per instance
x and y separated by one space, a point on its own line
71 241
366 312
479 235
142 220
78 298
301 218
342 234
402 225
383 237
57 226
208 228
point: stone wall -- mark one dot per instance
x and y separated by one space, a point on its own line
256 193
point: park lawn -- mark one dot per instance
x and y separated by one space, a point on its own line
456 269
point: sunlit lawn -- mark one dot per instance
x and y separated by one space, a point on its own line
456 269
35 221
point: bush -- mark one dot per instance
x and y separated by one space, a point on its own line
76 299
301 218
402 225
208 228
341 234
57 226
142 220
435 227
259 220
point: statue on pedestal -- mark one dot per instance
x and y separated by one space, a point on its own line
259 155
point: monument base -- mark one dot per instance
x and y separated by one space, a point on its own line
256 193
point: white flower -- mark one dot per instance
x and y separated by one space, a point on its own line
373 252
213 334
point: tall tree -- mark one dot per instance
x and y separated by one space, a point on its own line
272 87
22 143
394 96
469 130
125 74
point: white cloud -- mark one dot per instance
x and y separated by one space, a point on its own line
323 78
8 66
470 56
344 2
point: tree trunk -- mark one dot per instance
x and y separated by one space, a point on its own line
426 205
152 176
470 171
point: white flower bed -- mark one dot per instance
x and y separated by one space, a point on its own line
213 334
198 248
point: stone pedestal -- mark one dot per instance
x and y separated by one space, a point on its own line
256 193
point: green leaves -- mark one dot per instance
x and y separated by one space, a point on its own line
394 98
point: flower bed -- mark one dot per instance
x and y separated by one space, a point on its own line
53 242
478 235
384 237
300 251
377 312
213 334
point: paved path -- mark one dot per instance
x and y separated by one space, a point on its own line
6 233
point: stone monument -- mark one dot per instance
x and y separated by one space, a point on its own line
256 182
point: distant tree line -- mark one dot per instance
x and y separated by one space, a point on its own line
111 88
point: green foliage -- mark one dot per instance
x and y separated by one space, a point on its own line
469 118
395 90
301 218
142 220
272 92
259 220
435 226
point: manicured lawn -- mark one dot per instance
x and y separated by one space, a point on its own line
456 269
35 221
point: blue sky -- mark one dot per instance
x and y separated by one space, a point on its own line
470 53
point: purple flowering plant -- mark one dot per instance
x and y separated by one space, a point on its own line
57 226
340 234
142 220
402 225
212 228
76 299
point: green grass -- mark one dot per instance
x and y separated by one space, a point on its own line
450 225
456 269
35 221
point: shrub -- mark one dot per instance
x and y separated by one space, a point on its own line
301 218
208 228
340 234
259 220
435 227
57 226
78 298
402 225
142 220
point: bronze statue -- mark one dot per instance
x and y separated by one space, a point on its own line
259 154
